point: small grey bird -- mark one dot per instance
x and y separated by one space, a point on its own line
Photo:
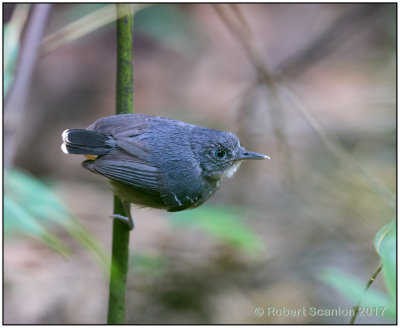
157 162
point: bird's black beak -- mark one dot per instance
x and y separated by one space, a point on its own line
245 154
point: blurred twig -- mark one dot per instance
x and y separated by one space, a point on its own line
278 83
17 22
15 101
329 40
242 33
83 26
369 283
341 154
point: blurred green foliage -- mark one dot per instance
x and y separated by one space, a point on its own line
354 289
73 13
169 26
148 264
30 207
385 245
28 204
181 279
11 36
11 47
223 224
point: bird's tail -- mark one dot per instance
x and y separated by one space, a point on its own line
85 142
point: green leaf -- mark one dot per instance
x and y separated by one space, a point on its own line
385 239
222 224
385 245
16 218
389 275
35 196
86 239
354 289
29 207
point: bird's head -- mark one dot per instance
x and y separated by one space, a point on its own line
219 153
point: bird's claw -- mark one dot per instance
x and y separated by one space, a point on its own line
127 220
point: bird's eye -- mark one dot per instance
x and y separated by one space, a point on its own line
219 154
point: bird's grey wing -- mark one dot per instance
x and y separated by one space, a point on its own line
129 159
121 126
139 176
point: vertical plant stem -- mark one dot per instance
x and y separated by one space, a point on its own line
120 237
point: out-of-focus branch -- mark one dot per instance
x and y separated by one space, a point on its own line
369 283
15 101
277 84
16 22
83 26
336 149
329 40
242 33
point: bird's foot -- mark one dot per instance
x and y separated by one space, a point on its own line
126 219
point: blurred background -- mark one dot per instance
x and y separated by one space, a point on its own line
311 85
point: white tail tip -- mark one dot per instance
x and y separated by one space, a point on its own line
64 148
65 136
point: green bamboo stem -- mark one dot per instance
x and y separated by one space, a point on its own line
124 105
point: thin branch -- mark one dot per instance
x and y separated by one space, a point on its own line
369 283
